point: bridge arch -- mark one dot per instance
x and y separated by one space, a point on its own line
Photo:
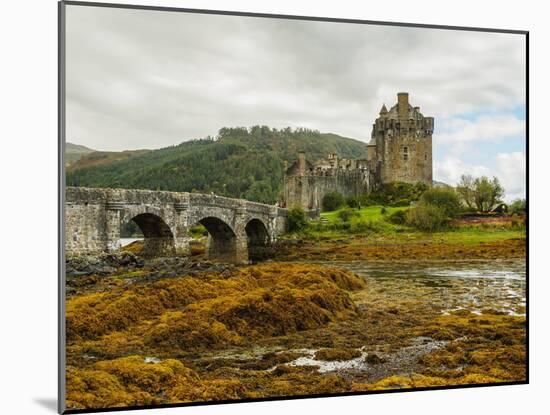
222 239
94 217
158 238
257 238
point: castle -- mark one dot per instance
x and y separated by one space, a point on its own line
400 150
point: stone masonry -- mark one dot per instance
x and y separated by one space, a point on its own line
400 150
94 218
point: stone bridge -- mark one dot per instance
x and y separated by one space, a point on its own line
236 228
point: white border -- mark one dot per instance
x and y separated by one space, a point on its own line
29 183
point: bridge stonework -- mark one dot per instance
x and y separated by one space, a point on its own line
94 217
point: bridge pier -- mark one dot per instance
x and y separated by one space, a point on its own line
241 240
112 225
94 218
241 249
232 250
181 226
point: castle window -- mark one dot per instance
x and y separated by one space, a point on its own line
405 153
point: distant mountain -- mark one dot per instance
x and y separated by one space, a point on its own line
240 162
74 152
102 158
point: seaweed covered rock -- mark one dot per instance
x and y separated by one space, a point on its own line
217 309
337 354
133 380
125 381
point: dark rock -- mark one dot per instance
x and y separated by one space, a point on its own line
374 359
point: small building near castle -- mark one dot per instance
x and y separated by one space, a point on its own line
400 150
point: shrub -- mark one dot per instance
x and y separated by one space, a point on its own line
518 223
396 194
383 211
428 218
346 214
353 202
445 199
297 219
333 201
368 226
518 207
399 217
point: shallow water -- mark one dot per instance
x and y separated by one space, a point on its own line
128 241
475 286
498 286
400 360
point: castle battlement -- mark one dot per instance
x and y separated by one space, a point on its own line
401 143
400 149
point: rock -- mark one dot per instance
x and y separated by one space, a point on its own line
374 359
100 264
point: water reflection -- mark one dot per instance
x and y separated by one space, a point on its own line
476 286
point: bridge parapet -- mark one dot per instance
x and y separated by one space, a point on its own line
94 218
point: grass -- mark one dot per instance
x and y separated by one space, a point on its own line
475 236
373 213
378 230
368 236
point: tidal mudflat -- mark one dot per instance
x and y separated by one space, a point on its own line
143 332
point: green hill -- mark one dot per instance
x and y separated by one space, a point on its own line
74 152
102 158
240 162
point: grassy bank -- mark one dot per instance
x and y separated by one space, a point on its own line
369 234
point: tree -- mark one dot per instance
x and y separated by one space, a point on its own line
333 201
518 207
488 193
260 191
444 198
466 189
481 193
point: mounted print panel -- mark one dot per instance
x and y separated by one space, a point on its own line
260 207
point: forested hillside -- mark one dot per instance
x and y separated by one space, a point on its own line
240 162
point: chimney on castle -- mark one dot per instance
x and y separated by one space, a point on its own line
403 105
302 163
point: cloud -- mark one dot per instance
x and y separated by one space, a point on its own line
149 79
450 169
144 79
510 169
483 128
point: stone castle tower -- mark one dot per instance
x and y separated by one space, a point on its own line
401 144
400 150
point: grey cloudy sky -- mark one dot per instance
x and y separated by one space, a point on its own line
148 79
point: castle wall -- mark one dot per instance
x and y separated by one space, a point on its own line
400 150
417 167
308 191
